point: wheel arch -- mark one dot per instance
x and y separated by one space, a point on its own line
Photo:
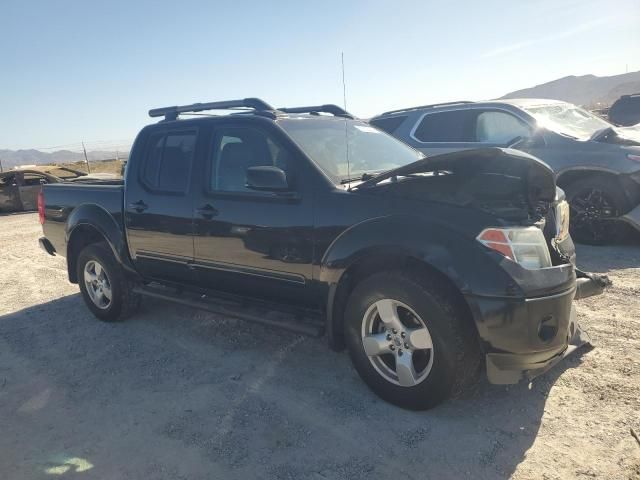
363 253
627 185
90 224
367 266
569 176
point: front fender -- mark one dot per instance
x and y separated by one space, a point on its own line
455 255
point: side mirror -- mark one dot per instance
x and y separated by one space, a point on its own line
272 179
536 139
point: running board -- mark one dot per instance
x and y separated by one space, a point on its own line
286 317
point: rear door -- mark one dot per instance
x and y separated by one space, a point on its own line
251 242
158 203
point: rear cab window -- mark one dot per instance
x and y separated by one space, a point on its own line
168 160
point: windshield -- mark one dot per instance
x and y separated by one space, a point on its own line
327 142
567 119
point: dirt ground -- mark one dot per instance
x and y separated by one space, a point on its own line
176 393
106 166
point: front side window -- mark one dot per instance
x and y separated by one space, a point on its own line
167 165
33 179
499 127
345 148
454 126
236 150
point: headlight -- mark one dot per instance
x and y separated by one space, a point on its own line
524 245
562 220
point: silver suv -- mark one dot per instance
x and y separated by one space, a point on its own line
596 163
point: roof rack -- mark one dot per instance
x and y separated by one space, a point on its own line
171 113
410 109
328 108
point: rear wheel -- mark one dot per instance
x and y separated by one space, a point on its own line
409 341
104 285
595 203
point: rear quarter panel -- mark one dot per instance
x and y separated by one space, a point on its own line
68 206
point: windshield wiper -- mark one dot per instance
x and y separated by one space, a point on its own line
362 178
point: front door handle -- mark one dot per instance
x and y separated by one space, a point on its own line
138 206
207 211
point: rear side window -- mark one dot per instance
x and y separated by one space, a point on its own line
389 124
167 165
451 126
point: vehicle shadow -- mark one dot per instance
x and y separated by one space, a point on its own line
12 214
602 259
174 392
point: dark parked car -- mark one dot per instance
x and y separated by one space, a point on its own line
597 164
425 269
19 187
626 110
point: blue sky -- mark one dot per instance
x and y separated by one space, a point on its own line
83 70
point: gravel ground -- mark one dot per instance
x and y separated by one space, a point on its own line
177 393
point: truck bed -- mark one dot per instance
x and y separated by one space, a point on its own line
63 200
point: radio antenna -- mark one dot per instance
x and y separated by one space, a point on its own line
346 135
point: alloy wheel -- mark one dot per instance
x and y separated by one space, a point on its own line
97 284
397 343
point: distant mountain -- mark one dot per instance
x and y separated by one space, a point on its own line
12 158
587 90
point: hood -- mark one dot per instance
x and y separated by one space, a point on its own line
506 182
627 136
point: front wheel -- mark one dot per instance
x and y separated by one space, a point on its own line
104 285
595 204
409 340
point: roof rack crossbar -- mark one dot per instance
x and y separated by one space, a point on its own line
327 108
171 113
410 109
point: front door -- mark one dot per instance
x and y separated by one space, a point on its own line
159 204
29 188
9 193
252 242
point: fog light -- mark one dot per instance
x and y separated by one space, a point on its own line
547 329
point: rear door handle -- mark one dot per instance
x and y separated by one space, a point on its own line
138 206
207 211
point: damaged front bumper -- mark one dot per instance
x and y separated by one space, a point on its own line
506 368
524 338
632 218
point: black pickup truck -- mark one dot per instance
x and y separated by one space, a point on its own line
425 269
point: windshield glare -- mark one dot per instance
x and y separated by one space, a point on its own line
567 119
327 142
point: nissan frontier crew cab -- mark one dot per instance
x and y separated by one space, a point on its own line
428 270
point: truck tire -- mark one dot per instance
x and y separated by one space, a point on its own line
409 340
105 287
594 202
